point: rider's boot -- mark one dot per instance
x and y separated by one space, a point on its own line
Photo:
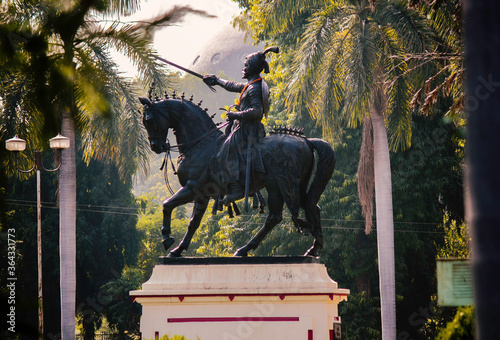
236 193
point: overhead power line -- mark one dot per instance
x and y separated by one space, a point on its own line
132 211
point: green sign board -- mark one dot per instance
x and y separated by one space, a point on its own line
454 281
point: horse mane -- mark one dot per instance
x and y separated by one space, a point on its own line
196 107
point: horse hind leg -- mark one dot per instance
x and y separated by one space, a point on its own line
275 216
312 212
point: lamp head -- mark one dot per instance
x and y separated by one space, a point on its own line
59 142
15 144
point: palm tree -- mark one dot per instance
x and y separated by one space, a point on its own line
59 74
344 63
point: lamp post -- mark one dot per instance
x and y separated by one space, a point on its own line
16 145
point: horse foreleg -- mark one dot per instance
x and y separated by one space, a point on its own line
275 216
198 211
182 196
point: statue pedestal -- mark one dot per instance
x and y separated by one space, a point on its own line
240 298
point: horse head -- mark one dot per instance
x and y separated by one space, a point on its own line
156 125
189 122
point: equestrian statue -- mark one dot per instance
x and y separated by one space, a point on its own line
240 162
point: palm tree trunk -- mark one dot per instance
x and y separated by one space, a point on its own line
384 219
67 233
482 104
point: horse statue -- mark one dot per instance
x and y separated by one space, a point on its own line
290 177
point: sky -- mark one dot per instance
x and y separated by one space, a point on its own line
181 42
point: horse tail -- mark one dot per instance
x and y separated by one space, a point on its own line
324 168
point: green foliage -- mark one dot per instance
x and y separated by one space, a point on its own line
216 235
457 240
106 238
461 327
362 316
149 224
122 314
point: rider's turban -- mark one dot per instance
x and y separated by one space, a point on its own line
257 61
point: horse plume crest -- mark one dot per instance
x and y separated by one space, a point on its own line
287 130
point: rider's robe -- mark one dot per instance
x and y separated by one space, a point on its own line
245 132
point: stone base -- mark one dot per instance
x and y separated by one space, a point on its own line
240 298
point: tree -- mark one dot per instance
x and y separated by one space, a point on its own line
462 326
107 237
343 64
60 74
122 313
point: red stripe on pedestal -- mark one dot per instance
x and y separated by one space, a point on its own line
232 296
234 319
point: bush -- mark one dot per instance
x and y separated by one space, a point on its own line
461 327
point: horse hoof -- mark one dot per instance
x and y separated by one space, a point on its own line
312 252
240 253
167 242
174 254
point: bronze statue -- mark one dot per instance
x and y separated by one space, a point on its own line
240 151
288 160
212 164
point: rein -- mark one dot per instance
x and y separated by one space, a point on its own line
199 139
165 174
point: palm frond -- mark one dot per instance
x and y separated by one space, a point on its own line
362 62
398 88
108 137
316 65
399 115
134 150
306 59
412 29
173 16
122 7
276 16
133 42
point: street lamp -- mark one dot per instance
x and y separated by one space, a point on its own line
16 145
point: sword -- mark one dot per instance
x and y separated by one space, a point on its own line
184 69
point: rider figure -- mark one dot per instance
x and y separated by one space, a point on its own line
246 128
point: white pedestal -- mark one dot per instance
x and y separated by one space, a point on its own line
240 298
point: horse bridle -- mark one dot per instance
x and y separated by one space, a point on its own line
194 141
168 155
